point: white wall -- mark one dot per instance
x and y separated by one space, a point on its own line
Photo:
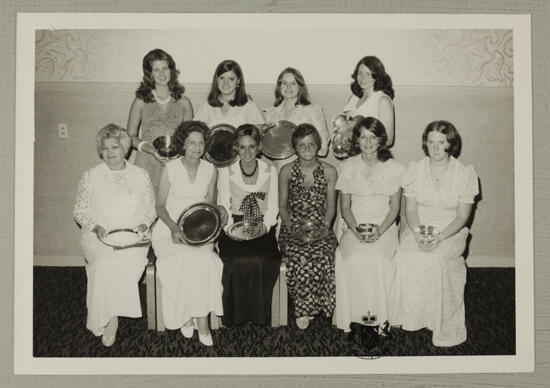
86 78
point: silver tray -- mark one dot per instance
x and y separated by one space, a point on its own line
219 146
200 223
132 239
309 231
244 231
165 147
277 140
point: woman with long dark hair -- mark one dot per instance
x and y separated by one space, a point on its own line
373 94
158 108
227 101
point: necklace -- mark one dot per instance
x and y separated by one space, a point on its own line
253 171
162 102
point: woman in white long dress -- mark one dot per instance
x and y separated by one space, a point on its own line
190 276
293 103
113 195
227 101
370 188
428 291
372 94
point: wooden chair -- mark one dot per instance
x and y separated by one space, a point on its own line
155 320
279 303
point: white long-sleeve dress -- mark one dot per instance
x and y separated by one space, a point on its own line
113 199
190 275
428 290
364 271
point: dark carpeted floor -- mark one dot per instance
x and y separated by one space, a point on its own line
60 317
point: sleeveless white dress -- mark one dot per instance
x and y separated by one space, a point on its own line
190 276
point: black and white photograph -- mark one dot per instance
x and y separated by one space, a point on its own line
273 193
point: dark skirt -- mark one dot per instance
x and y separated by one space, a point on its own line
250 270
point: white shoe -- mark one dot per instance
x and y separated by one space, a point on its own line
302 322
206 339
109 333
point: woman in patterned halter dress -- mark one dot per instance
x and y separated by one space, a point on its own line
160 107
306 191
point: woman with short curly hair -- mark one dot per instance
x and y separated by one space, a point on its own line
190 275
113 195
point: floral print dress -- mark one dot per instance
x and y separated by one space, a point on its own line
310 267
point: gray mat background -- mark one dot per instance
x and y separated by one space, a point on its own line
540 10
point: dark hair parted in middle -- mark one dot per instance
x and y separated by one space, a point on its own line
449 130
241 97
247 130
145 90
382 80
303 130
183 131
303 94
375 126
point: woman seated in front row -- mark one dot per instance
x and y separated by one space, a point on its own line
190 275
370 186
306 193
428 290
113 195
248 191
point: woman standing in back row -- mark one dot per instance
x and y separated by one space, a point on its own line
159 107
228 102
372 94
293 103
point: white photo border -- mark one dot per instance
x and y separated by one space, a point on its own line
25 363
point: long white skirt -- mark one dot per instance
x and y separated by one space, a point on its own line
364 274
428 291
191 279
112 281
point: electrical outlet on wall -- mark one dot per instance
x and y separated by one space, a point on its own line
62 130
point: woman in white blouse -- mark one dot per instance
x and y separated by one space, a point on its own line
373 94
428 290
248 191
293 103
227 101
370 186
113 195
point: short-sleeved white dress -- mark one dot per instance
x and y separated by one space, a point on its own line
364 271
428 290
190 275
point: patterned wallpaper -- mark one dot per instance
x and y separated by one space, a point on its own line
412 57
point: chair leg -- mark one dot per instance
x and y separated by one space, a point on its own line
275 304
151 300
160 315
215 321
283 296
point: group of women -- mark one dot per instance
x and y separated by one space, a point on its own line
388 278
